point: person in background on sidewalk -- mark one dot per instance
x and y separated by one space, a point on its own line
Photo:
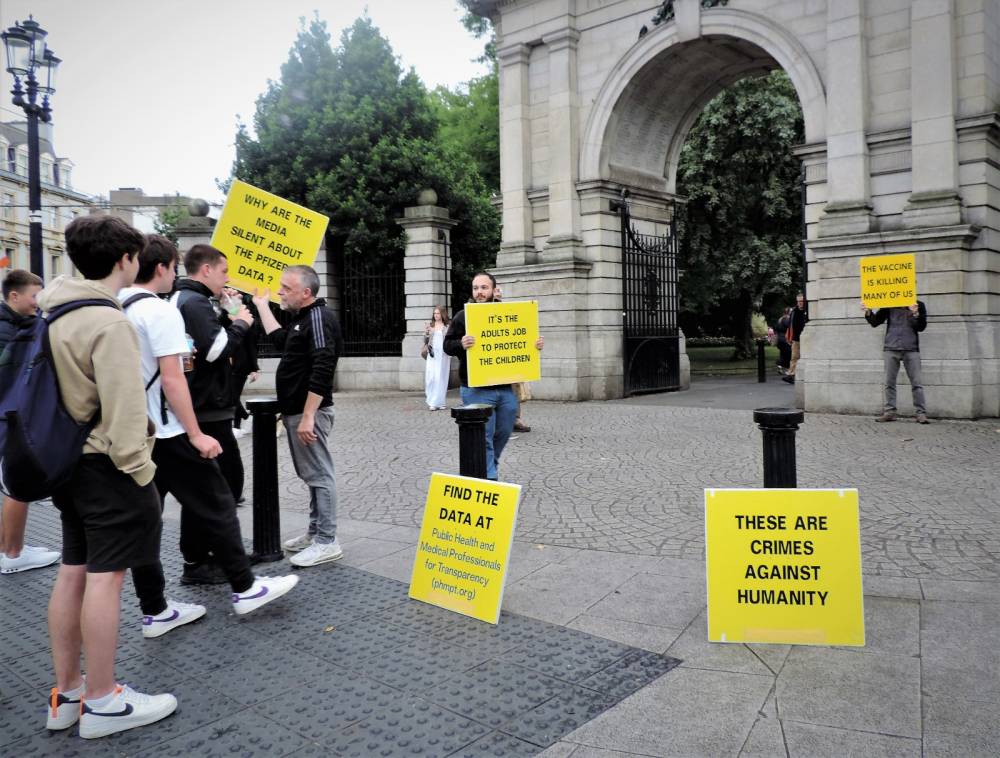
800 317
184 456
245 368
216 340
437 370
18 309
310 347
901 345
500 397
110 510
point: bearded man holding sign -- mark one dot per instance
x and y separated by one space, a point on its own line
500 397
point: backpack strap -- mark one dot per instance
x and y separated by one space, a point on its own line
156 374
62 310
135 298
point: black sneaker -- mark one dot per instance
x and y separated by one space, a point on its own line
203 573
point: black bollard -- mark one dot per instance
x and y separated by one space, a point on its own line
761 368
779 426
471 420
266 518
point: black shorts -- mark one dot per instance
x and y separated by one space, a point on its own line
109 522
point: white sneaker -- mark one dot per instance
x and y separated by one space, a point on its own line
318 552
30 558
126 710
296 544
64 708
263 590
177 614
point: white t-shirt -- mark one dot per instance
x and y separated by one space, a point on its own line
161 332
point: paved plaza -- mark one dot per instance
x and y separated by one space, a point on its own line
608 553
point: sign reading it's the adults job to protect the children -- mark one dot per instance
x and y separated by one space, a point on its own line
504 351
889 281
464 548
261 234
784 566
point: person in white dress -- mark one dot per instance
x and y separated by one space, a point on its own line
438 366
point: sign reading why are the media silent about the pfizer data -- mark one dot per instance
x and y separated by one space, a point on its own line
261 234
784 566
504 351
464 548
889 281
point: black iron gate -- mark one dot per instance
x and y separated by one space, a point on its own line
649 309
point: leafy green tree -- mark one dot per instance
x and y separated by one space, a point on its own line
740 230
469 119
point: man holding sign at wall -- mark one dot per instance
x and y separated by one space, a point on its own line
499 347
889 283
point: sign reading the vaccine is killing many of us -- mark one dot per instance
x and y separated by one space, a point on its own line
889 281
784 566
261 234
465 541
504 351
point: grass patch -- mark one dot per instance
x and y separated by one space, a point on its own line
717 361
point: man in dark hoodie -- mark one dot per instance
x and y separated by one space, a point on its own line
216 339
901 345
20 290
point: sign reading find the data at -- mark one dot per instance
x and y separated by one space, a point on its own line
784 566
889 281
504 351
465 541
262 233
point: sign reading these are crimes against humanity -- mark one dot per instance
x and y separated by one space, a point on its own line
784 566
889 281
465 540
504 351
261 234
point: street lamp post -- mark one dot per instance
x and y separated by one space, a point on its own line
29 57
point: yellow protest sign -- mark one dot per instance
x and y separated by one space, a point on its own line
262 233
784 566
504 351
465 540
889 281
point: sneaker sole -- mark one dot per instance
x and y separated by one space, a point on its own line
206 582
273 596
159 631
319 562
57 725
29 568
295 549
114 726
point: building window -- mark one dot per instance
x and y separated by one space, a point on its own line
10 254
8 206
12 159
54 265
55 174
53 217
46 167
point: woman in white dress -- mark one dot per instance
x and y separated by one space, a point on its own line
438 366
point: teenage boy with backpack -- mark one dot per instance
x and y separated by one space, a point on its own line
17 311
184 455
110 509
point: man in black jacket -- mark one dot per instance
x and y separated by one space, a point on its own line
310 347
17 311
800 317
901 345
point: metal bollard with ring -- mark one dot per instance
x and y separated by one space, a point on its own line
471 420
266 516
778 426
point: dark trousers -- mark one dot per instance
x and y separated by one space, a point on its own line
208 520
239 382
230 461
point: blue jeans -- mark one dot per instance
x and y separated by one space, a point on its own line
501 422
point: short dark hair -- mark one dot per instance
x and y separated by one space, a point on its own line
493 279
18 280
158 249
308 277
199 255
96 244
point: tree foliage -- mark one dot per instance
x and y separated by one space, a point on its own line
346 132
740 231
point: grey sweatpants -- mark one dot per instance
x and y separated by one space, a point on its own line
314 466
911 362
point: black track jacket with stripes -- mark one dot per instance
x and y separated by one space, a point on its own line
310 347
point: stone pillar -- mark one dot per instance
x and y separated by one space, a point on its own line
428 279
848 209
934 200
518 247
564 241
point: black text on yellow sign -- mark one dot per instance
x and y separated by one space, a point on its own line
464 548
889 281
784 566
504 351
262 234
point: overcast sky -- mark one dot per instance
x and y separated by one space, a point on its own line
148 92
